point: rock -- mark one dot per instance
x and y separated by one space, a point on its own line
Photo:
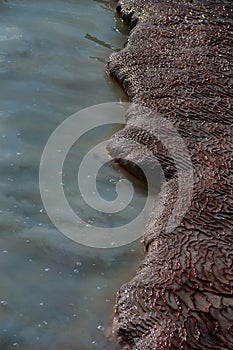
178 63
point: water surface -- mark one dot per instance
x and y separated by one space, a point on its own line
54 293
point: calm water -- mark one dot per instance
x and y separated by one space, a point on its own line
54 293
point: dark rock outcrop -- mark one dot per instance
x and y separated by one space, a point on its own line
178 62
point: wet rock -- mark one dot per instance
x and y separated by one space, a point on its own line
178 63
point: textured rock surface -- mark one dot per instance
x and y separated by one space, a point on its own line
178 62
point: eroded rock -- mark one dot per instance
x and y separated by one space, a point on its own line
178 62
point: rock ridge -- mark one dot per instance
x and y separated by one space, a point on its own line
177 62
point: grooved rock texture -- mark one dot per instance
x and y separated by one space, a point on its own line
178 63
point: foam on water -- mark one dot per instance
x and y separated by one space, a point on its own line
54 293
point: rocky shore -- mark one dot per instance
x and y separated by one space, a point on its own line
178 63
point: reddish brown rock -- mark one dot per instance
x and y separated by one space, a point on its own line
178 62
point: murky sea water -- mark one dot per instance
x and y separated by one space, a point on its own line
54 293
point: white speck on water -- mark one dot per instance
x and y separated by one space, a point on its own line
3 302
41 304
113 181
5 251
47 269
101 328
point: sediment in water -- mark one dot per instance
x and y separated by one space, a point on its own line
178 63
